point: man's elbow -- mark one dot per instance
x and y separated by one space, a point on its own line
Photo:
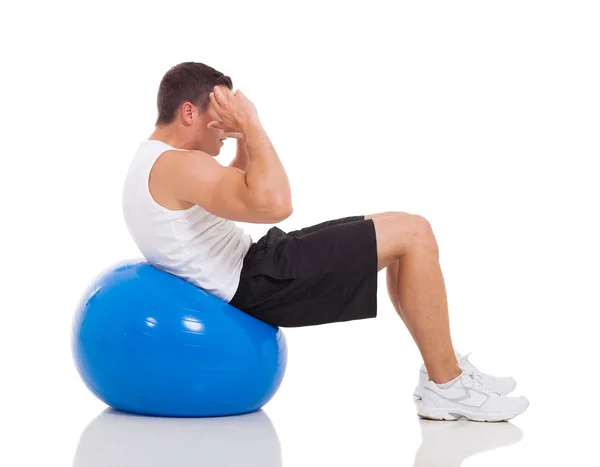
282 211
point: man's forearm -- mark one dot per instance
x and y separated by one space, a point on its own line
242 158
265 173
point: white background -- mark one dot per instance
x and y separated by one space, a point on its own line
481 116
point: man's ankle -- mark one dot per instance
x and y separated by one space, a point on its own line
445 376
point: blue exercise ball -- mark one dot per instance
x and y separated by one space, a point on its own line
148 342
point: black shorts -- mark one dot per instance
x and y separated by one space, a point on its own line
321 274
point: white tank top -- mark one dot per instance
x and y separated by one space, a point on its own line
197 246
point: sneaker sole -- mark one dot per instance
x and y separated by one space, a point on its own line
417 394
434 413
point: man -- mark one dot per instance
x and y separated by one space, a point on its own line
180 206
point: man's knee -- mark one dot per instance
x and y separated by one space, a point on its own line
400 233
423 225
418 223
424 236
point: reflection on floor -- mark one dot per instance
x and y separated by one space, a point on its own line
449 443
116 439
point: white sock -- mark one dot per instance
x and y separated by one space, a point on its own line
448 384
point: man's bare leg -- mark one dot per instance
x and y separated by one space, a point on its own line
417 289
392 274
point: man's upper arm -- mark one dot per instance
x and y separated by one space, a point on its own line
197 177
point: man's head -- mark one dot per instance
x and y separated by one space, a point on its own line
184 108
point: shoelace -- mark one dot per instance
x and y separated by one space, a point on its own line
466 365
471 372
465 361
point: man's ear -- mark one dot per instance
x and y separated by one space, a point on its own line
188 111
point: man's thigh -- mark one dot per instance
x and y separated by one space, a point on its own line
342 220
326 275
323 225
381 215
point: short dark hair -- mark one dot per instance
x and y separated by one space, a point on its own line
187 82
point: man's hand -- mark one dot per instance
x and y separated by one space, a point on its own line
233 134
233 110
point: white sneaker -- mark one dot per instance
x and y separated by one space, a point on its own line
500 384
468 398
